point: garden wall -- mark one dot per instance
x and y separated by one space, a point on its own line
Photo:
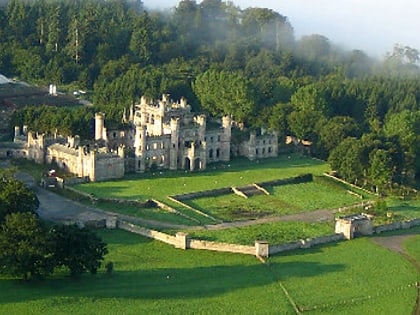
181 240
222 247
228 190
308 243
286 181
396 226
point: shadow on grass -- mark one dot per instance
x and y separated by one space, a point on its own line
165 283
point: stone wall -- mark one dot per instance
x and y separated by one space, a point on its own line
261 248
286 181
396 226
308 243
204 193
222 247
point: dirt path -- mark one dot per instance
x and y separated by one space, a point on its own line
394 243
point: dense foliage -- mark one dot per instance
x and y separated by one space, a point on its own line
29 249
360 114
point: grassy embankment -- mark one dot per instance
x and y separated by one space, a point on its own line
149 277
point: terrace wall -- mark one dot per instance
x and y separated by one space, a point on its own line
181 240
396 226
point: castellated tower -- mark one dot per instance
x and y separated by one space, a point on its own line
99 126
201 121
252 146
140 148
174 149
226 137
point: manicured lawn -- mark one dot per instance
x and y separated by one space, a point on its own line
154 278
412 246
274 233
286 199
407 208
161 185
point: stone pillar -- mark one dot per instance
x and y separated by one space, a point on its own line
99 126
111 222
262 249
226 138
174 149
182 240
17 132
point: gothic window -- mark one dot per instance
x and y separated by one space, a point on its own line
155 146
257 152
147 147
263 150
211 139
114 135
162 145
211 154
217 153
269 149
218 138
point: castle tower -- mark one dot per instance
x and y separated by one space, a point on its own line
226 137
275 143
140 148
174 149
17 132
99 126
252 145
201 121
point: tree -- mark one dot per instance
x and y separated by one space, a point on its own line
79 249
225 93
346 159
15 196
24 247
380 172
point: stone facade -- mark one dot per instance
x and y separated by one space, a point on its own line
161 135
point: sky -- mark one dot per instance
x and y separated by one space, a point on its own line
373 26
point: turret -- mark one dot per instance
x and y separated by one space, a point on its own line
174 149
99 126
17 132
226 137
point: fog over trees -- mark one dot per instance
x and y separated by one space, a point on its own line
224 60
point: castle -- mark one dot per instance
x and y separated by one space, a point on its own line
159 135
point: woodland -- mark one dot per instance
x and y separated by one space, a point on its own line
360 114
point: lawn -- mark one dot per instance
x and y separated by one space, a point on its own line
274 233
407 208
149 277
162 184
322 193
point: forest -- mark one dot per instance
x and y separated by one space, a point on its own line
359 113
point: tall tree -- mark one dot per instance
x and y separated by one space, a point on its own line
24 247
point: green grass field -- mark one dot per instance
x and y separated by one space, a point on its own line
149 277
274 233
322 193
239 173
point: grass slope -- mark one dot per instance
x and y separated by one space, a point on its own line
154 278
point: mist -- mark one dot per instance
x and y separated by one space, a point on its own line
372 26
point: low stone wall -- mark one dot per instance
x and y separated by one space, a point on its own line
286 181
396 226
228 190
222 247
308 243
261 248
204 193
163 237
349 184
173 199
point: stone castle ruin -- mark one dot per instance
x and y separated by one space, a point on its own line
159 135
